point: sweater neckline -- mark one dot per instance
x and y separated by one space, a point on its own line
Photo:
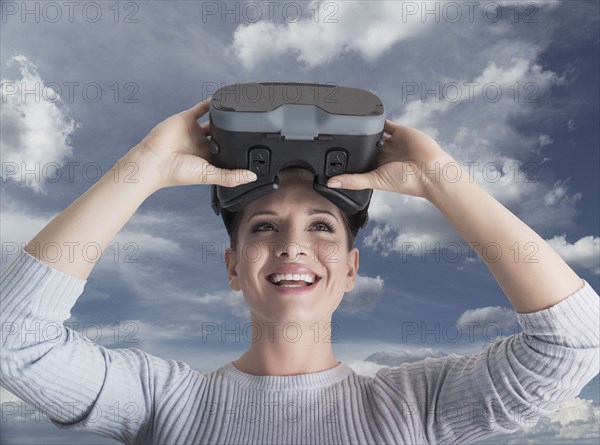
310 380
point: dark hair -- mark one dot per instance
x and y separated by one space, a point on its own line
232 221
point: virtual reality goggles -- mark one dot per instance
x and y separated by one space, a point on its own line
266 127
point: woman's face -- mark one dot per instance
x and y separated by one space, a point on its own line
292 236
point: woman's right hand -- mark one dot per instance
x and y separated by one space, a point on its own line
180 148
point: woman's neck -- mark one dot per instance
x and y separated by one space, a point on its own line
282 350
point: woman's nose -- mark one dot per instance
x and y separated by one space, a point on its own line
292 245
290 249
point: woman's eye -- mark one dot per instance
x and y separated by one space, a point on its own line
258 227
326 225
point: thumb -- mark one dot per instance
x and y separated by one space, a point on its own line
353 181
188 169
235 177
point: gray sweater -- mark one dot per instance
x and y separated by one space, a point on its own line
135 397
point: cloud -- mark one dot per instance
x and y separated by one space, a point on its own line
153 287
143 277
133 333
381 359
6 396
558 193
490 87
408 355
328 31
148 242
36 129
365 368
549 4
136 240
545 139
364 296
479 132
18 226
576 421
584 253
571 125
367 28
491 321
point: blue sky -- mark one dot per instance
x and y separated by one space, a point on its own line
528 101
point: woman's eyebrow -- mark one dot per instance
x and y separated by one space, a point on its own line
310 212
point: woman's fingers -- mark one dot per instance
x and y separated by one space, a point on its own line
205 128
355 181
233 178
389 126
189 169
201 108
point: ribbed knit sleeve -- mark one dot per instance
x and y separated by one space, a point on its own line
511 383
77 383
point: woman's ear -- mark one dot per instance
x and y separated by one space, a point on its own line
231 264
353 256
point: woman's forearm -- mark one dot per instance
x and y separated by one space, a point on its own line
532 274
92 220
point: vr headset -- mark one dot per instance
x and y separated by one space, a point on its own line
266 127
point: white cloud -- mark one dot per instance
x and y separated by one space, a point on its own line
377 360
36 129
492 86
571 125
545 139
364 296
584 253
7 397
148 282
365 368
329 30
132 333
19 226
491 321
576 421
574 410
407 355
368 28
559 194
478 132
147 243
549 4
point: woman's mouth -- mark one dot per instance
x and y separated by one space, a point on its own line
293 286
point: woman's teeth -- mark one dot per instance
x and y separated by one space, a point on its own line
292 280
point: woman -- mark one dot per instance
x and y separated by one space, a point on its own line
283 391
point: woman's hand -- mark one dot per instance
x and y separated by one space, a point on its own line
179 147
407 163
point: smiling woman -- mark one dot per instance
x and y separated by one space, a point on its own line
291 232
288 387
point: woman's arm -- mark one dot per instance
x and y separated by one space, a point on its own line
532 275
511 383
515 380
95 217
75 381
174 153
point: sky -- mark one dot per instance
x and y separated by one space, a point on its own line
510 89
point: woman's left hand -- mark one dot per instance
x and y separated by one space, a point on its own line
408 161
